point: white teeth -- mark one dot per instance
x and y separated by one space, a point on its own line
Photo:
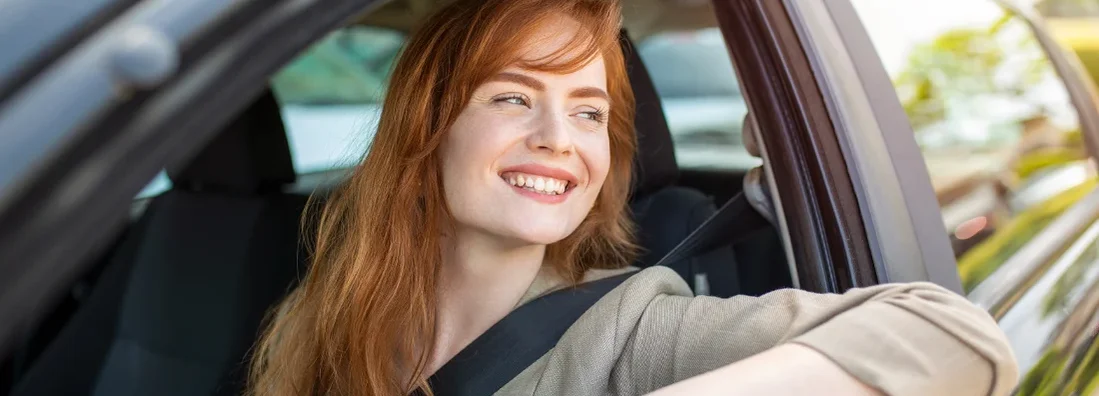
542 185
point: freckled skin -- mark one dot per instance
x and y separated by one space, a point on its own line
508 123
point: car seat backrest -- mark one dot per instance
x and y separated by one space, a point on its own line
179 306
665 213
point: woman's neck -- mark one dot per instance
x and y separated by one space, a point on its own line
482 278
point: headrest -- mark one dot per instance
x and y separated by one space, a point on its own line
249 155
654 166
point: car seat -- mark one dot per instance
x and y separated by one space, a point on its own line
182 299
665 213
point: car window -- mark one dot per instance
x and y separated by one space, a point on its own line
697 85
331 96
998 131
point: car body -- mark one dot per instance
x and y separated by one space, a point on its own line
96 99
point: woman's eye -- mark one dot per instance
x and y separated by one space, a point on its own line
598 116
515 100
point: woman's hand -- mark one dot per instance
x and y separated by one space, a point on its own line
788 369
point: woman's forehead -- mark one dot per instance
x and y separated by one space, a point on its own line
592 73
559 35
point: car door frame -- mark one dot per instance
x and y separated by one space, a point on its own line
863 92
816 203
67 205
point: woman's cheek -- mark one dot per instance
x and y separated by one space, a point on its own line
599 159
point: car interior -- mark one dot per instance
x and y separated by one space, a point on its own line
174 305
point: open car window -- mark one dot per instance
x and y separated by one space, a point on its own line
998 131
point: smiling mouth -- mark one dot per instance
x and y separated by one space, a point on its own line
537 184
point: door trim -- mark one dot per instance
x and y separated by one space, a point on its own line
903 216
828 243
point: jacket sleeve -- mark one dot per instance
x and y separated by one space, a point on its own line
903 339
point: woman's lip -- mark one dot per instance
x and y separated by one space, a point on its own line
542 170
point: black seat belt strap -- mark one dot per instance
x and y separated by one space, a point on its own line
518 340
530 331
735 219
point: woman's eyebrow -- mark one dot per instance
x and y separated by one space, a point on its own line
520 79
589 92
534 83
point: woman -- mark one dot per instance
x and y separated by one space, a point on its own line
499 172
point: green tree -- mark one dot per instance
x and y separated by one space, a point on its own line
966 63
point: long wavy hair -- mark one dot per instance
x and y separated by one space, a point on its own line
362 321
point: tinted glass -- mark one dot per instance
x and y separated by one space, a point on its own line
998 131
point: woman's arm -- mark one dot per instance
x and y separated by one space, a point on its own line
789 369
901 339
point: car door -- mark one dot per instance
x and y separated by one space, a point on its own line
971 137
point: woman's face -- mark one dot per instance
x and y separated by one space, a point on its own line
525 160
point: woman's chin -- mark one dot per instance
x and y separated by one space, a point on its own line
538 236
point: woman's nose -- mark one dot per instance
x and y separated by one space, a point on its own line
551 135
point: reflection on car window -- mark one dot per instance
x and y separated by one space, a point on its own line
694 77
994 121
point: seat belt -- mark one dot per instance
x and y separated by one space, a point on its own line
732 222
530 331
516 341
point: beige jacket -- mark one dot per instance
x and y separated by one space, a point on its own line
650 332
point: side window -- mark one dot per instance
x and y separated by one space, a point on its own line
331 96
698 89
993 119
331 99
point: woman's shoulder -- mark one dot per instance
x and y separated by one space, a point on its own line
655 274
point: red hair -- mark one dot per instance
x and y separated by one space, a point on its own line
362 321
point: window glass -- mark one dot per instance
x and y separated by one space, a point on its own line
331 96
998 131
698 89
